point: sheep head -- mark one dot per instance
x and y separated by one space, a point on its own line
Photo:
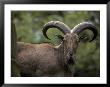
67 48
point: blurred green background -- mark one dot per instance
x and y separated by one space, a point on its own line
29 29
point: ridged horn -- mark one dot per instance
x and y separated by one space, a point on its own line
83 26
55 24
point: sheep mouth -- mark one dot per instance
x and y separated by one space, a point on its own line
71 60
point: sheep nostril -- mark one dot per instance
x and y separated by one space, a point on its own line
71 54
71 60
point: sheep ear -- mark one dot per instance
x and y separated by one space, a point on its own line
60 37
83 38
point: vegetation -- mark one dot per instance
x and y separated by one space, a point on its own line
29 29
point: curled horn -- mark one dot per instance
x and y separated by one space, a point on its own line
83 26
55 24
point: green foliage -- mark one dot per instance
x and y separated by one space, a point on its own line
29 29
15 69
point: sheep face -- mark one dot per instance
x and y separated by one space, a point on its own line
70 43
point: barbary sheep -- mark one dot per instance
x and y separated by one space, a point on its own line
47 60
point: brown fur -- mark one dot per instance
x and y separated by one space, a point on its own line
38 59
45 59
